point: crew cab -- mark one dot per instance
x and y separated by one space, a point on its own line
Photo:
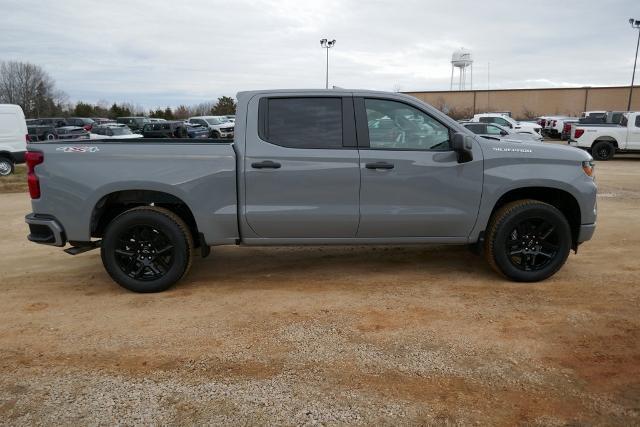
603 141
310 167
531 128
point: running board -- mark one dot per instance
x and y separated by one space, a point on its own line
89 246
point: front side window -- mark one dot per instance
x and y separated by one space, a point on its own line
304 122
398 126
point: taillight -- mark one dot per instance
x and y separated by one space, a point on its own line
87 127
543 122
553 123
33 158
579 133
566 127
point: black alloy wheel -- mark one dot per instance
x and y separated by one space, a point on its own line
144 253
532 244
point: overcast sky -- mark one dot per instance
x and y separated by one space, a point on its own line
159 53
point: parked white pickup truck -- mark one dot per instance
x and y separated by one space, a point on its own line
604 140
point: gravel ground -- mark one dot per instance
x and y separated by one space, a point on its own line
355 335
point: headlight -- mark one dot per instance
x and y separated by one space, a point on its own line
588 167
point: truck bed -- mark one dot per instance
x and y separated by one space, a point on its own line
77 176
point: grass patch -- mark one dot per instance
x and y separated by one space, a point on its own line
16 182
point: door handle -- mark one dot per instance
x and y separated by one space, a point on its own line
266 164
379 165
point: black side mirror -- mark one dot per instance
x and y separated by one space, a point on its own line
463 146
504 133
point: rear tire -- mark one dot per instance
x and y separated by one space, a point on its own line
528 240
7 166
147 249
603 150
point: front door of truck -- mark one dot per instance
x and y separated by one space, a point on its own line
412 184
302 176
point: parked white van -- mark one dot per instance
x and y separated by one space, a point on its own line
13 137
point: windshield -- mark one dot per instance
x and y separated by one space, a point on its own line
121 131
215 121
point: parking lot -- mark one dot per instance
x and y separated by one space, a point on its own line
292 335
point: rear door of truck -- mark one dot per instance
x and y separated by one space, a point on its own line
301 170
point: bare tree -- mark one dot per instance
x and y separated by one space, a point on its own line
30 87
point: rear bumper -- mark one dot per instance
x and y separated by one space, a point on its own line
18 157
45 230
586 232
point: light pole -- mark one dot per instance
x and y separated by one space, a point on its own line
327 44
636 25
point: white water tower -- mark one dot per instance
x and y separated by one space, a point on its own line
461 59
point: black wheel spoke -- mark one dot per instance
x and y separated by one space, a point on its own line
126 253
532 244
144 253
163 250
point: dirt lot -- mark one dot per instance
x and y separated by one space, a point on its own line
329 335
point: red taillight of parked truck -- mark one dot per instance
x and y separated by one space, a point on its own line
33 158
566 127
578 133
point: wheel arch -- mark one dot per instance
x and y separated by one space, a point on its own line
562 200
114 203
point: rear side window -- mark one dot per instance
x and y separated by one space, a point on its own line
303 122
637 121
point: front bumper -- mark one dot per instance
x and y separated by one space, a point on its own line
586 232
45 230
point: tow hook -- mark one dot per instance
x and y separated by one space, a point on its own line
82 247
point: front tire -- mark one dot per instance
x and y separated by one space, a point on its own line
7 166
603 150
147 249
528 240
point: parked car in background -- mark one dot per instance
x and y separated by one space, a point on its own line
40 132
556 125
116 130
134 123
566 128
56 122
506 121
602 117
197 131
166 129
219 126
102 120
603 142
495 131
82 122
72 132
156 120
306 170
231 118
13 138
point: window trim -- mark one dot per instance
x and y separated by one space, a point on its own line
349 140
362 126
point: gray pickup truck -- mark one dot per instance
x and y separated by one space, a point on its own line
315 167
